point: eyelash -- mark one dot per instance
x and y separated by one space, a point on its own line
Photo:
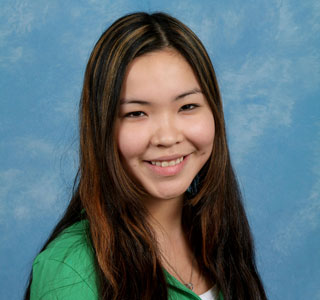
138 114
187 107
133 114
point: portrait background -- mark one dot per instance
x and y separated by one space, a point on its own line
267 60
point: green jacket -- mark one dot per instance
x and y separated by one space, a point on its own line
65 270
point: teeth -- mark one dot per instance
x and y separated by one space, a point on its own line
170 163
164 164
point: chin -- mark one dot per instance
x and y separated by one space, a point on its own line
167 190
168 196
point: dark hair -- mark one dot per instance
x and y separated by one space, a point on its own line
127 258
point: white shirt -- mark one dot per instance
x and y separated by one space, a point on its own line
211 294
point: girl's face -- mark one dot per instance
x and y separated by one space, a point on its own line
165 128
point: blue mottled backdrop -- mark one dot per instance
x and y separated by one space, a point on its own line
267 58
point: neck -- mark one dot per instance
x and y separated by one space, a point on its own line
165 217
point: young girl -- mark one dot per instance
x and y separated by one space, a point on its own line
156 211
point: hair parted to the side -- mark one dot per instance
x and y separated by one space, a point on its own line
128 262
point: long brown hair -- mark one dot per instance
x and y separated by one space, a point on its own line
127 259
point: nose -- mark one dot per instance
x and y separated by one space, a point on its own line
166 132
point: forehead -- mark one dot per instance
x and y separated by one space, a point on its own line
162 72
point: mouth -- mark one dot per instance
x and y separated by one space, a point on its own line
167 163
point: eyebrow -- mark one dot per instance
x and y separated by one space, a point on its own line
143 102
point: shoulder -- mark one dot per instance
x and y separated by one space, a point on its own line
66 268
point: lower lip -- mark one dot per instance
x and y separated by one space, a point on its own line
168 171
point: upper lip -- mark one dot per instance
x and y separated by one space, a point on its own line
168 157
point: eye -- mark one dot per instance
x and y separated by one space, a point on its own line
188 107
135 114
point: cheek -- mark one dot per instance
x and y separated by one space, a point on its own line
202 132
132 141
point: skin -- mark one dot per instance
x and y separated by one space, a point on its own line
164 116
162 126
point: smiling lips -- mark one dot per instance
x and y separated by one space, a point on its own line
169 163
168 167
